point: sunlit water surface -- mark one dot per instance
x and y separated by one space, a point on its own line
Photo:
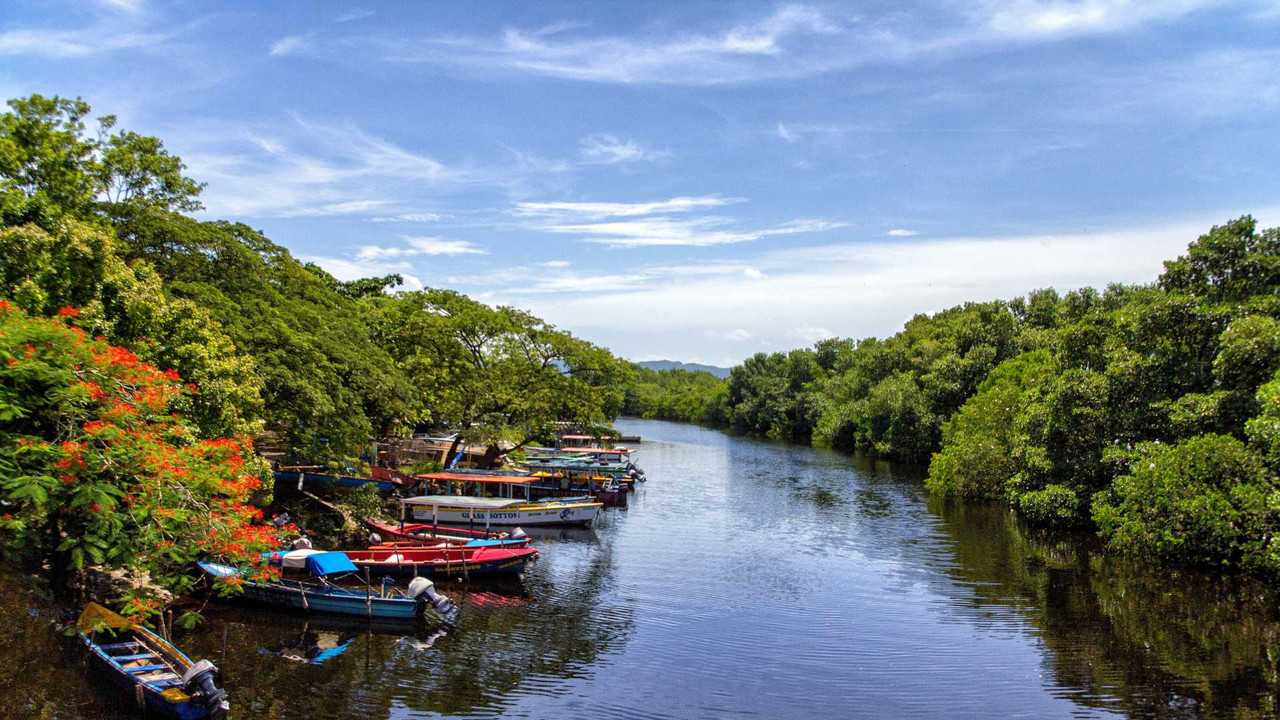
747 579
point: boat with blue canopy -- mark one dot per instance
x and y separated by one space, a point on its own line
320 594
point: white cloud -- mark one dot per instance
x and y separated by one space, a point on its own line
810 335
600 210
901 232
650 224
75 43
129 6
350 207
353 15
303 168
1038 19
738 335
556 264
793 40
347 269
854 289
415 217
289 45
605 149
420 245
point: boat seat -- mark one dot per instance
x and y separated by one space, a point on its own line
139 656
140 669
166 682
130 645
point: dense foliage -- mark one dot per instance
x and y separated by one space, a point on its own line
106 461
98 468
1151 413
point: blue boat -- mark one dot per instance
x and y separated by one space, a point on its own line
320 595
160 679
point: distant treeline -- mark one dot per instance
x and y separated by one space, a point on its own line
1150 413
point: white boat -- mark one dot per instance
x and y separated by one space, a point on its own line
470 510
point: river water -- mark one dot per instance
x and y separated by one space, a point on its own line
747 579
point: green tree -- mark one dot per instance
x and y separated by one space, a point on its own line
1207 501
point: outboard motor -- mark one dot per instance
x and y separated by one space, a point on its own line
375 538
301 543
424 591
198 682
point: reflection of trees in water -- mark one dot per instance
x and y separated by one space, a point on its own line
1151 642
557 635
40 677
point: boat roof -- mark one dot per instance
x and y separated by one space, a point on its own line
318 562
467 501
598 451
478 478
579 437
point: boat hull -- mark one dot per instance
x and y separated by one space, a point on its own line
329 599
404 562
525 515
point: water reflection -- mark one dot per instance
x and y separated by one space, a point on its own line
1118 635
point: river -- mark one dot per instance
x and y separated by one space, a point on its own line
748 579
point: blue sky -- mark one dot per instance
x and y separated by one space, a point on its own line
698 181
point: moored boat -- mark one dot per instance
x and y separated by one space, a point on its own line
161 680
457 561
487 511
319 594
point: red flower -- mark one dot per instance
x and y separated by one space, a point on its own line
12 361
94 426
5 306
173 375
67 311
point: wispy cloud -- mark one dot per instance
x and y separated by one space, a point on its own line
51 43
901 233
859 289
353 15
413 217
606 149
348 269
305 168
600 210
794 40
1040 19
289 45
350 207
556 264
656 224
788 42
420 245
129 6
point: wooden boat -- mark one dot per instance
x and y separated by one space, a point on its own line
319 594
561 482
301 479
488 511
426 532
162 681
443 562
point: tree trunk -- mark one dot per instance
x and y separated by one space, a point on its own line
491 454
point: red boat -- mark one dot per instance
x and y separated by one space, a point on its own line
451 561
426 532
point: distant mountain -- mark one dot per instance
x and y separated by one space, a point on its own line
720 372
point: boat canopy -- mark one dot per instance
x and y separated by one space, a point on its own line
330 563
478 478
597 451
463 501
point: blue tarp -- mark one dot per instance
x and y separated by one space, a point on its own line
329 563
